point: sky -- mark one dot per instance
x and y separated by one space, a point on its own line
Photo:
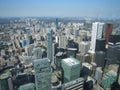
60 8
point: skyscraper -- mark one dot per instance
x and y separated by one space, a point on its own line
113 51
77 84
62 41
42 74
100 29
71 69
84 47
97 33
108 31
49 44
56 23
37 51
100 45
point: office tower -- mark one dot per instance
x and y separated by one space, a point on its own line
10 84
56 84
93 36
86 69
71 69
49 44
58 59
100 58
100 29
42 74
92 56
76 33
83 57
23 78
97 33
88 85
28 86
4 81
72 44
98 74
108 79
37 52
25 42
100 45
113 55
53 52
79 39
94 66
84 47
108 31
56 23
62 41
77 84
83 35
27 60
71 52
113 52
31 40
114 39
67 33
29 49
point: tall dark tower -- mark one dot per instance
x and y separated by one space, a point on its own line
113 51
49 44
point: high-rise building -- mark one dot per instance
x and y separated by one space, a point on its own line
25 42
114 39
71 52
62 41
97 33
98 74
77 84
100 58
29 49
100 45
42 74
86 69
71 69
53 52
49 44
29 86
108 31
10 84
76 33
58 59
56 23
100 29
84 47
37 51
72 44
113 51
113 54
108 79
4 83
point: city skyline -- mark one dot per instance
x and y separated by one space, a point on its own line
60 8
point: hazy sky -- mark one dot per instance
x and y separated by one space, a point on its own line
64 8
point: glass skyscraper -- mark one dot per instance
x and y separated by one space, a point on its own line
49 44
